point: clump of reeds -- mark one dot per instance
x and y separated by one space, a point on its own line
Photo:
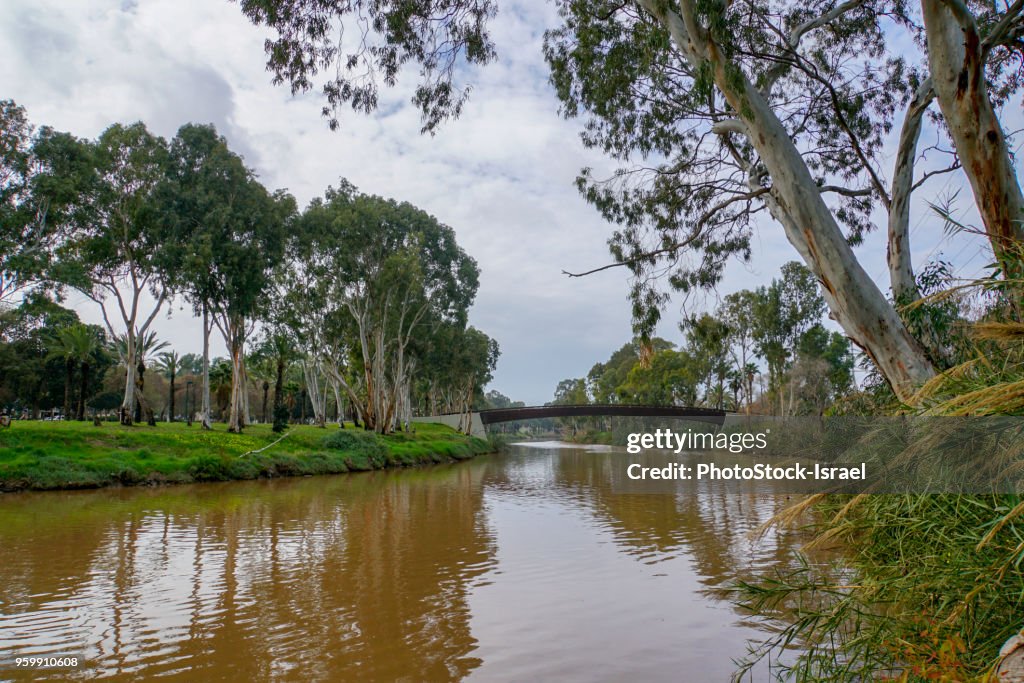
929 586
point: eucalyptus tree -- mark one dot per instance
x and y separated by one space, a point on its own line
737 311
305 314
750 109
833 349
718 111
146 346
671 378
456 363
605 380
781 314
433 388
708 343
571 391
974 52
383 270
244 256
117 252
230 235
44 177
15 153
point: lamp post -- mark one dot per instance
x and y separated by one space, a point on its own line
188 413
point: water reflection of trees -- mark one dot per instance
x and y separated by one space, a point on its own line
712 525
363 577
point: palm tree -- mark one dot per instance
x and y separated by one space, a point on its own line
76 346
169 363
220 382
281 348
260 368
749 373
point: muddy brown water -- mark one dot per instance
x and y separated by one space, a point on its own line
526 565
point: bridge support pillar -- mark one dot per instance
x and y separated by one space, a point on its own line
476 429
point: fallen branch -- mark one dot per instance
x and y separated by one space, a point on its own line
260 450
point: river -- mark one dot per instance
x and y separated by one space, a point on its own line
526 565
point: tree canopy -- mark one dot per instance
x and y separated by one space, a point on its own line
719 113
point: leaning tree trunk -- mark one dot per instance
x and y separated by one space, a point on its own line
956 56
898 256
795 201
317 398
339 406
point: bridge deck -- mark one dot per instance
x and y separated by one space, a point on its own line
495 415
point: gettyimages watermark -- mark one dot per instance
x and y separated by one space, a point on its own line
976 455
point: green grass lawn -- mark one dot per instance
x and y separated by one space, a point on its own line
58 455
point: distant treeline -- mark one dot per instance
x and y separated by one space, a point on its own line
365 298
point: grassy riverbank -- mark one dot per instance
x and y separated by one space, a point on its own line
65 455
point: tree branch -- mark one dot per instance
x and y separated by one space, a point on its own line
845 191
797 35
961 13
955 166
698 227
729 126
1002 30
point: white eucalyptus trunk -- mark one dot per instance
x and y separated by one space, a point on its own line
207 328
898 256
337 401
796 202
233 329
317 397
956 58
131 363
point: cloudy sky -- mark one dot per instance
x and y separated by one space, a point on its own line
501 176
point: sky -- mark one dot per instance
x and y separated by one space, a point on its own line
502 175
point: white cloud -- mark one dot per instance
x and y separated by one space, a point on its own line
502 175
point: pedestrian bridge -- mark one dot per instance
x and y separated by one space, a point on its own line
481 419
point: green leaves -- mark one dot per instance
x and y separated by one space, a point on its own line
355 245
689 182
359 44
227 232
46 179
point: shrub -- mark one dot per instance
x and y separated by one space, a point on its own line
210 468
366 444
280 418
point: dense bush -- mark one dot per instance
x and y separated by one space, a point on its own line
356 442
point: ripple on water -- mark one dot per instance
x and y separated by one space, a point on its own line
525 566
